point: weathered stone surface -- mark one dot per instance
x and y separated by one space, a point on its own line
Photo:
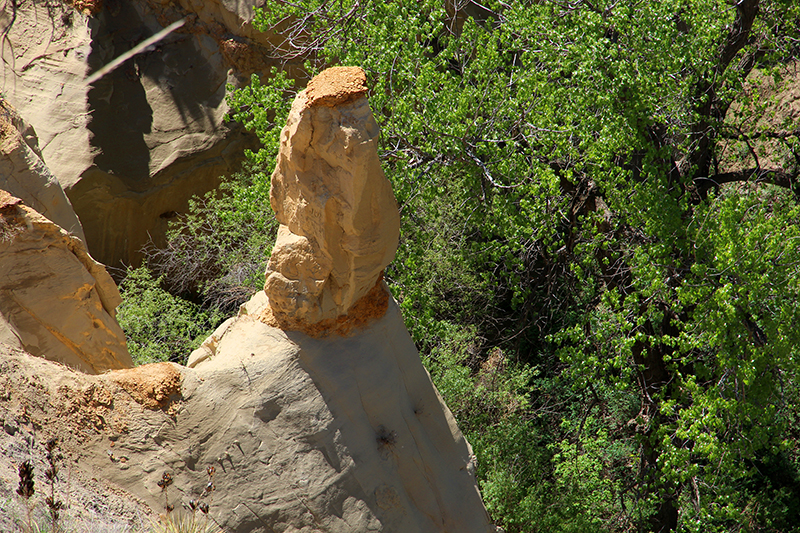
336 86
132 148
339 219
343 435
56 301
24 174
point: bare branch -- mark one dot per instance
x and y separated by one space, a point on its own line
133 51
778 177
486 173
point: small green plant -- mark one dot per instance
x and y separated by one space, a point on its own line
216 253
158 325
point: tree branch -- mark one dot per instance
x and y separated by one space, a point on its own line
778 177
739 34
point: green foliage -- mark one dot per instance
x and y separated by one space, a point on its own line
514 471
491 404
589 493
481 397
158 325
217 252
263 108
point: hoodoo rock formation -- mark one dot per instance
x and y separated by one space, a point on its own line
339 220
315 426
382 451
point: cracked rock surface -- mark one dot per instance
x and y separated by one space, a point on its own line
339 219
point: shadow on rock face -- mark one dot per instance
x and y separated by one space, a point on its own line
120 113
121 104
404 451
158 135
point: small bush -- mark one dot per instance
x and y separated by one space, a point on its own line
218 251
186 523
158 325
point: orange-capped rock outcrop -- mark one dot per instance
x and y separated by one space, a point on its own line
339 219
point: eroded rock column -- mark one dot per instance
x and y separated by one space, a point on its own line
339 219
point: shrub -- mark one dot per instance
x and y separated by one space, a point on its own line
218 251
158 325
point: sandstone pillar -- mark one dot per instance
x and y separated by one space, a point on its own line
339 219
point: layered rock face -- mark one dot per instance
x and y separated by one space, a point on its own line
339 220
56 301
24 174
132 148
330 435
